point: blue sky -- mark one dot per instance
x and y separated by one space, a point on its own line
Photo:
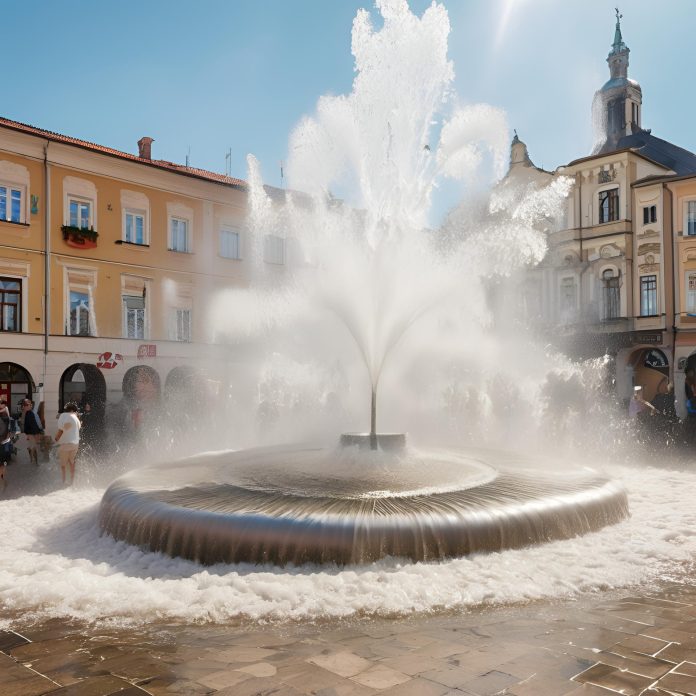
217 74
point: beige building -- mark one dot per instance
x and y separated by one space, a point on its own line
616 278
108 263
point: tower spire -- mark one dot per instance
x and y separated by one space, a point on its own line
618 44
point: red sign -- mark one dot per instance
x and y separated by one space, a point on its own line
108 360
147 350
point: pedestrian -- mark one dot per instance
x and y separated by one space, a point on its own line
5 456
32 429
68 439
638 406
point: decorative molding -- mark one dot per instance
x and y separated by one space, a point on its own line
649 248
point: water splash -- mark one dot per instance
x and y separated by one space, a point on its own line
370 259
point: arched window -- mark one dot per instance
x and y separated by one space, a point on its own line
611 298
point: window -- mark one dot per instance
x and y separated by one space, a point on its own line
80 213
649 214
134 227
10 304
648 296
79 317
178 234
610 295
609 205
79 323
691 292
691 218
11 203
274 249
182 325
133 316
229 244
634 113
568 298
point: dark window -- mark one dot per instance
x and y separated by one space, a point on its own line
649 214
648 295
10 304
609 205
611 297
634 113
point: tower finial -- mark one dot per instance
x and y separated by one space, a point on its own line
618 39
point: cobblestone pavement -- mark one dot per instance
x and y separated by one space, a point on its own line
603 645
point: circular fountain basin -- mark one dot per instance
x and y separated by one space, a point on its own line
300 504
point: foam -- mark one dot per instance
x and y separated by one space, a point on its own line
53 563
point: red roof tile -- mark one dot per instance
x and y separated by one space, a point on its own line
161 164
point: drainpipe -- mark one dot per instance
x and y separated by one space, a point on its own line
47 260
675 264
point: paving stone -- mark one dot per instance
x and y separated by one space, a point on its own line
380 677
224 678
260 687
681 683
492 682
588 690
99 686
344 664
638 664
416 687
9 640
685 668
643 645
677 652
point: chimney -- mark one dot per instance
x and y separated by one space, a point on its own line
145 147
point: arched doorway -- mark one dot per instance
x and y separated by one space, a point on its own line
141 392
15 384
649 367
85 385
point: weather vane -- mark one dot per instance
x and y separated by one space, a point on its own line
618 16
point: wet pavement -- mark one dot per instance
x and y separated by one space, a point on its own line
643 643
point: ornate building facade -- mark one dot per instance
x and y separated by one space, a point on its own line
620 266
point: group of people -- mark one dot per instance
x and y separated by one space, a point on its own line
658 418
32 424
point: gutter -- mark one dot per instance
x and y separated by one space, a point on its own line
47 256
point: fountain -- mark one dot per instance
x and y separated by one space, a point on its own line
372 270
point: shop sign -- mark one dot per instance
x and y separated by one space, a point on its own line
147 350
109 360
656 358
647 337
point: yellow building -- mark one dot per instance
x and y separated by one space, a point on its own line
108 262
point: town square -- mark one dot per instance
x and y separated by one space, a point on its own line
347 348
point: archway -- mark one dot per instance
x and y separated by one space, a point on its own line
141 391
85 385
650 366
15 384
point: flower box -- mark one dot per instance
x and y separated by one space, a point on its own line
79 237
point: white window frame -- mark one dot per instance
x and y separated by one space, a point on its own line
228 229
10 186
690 295
143 321
82 280
170 236
79 200
16 176
686 202
181 318
135 212
275 249
136 287
80 191
604 277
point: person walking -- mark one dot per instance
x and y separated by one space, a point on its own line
68 439
32 429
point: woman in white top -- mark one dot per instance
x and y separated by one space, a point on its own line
68 439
